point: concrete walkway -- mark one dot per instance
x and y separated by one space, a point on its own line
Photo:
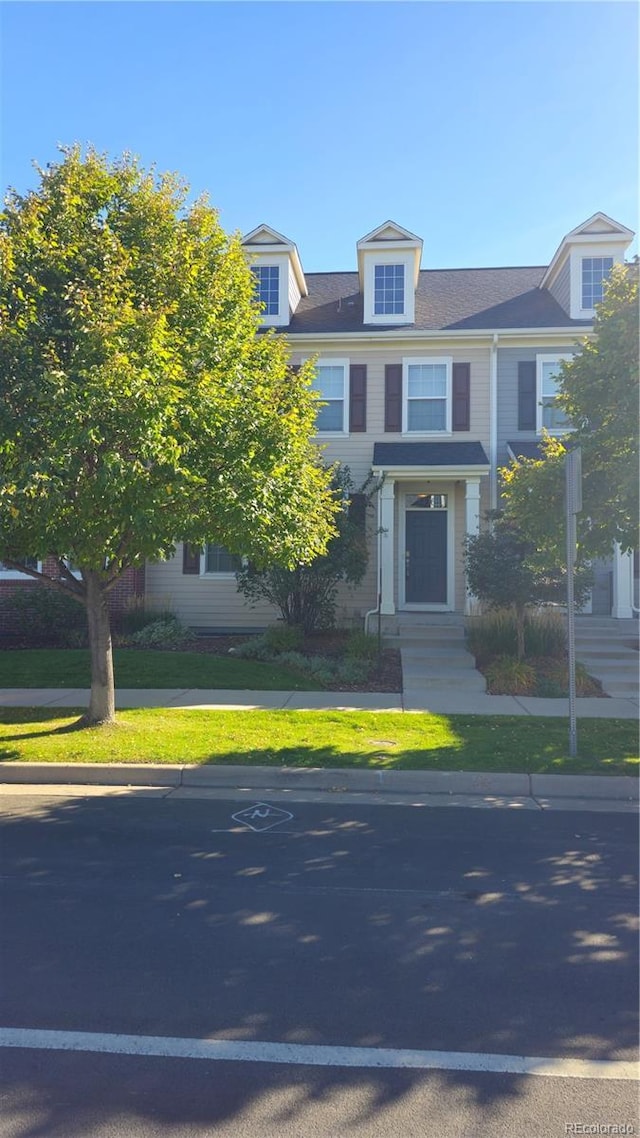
448 702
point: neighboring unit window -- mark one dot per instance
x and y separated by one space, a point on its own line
595 271
268 278
330 382
388 289
219 560
28 562
550 416
428 397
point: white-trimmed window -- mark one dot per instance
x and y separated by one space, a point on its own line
268 288
549 414
388 289
595 271
427 396
332 382
217 561
7 574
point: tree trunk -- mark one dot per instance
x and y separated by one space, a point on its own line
102 707
520 613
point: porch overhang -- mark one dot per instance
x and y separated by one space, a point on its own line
433 460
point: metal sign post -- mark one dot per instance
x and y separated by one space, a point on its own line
573 485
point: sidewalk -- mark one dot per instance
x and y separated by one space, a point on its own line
438 701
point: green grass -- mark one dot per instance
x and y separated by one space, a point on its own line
137 668
382 740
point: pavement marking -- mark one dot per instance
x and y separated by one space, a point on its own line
240 1051
261 816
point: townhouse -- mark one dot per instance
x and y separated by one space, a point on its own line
432 379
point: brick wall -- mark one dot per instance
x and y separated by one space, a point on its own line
130 584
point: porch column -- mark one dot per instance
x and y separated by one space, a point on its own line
387 545
622 583
472 523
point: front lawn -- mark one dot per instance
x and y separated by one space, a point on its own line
141 668
383 740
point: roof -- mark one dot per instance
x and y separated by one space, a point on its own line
525 450
446 299
429 454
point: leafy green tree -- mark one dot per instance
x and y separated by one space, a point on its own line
305 594
504 570
599 394
138 405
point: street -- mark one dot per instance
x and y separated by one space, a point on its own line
483 935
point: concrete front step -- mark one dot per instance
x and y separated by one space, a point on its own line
433 635
606 656
435 651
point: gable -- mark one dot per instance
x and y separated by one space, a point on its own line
601 224
389 231
265 235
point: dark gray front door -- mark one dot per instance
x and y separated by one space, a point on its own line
426 557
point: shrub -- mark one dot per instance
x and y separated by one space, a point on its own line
558 677
283 637
138 614
294 660
509 676
360 646
163 633
306 595
254 649
354 671
545 633
495 634
49 617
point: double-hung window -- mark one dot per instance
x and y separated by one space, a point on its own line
218 560
8 574
427 401
595 271
388 290
550 416
268 282
331 382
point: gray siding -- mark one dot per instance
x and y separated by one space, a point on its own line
561 287
508 359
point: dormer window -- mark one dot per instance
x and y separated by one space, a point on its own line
388 272
388 289
278 273
268 282
595 271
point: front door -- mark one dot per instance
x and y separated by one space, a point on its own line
426 556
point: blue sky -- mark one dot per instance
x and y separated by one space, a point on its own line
490 129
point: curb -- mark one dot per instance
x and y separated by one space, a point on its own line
602 787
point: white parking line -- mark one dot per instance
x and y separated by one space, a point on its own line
216 1050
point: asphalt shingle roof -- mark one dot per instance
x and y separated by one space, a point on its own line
452 299
429 454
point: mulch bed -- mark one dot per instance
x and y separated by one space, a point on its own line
386 678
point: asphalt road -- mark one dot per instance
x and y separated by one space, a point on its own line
486 933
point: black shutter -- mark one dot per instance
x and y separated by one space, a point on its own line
358 510
190 559
358 397
527 395
461 396
393 397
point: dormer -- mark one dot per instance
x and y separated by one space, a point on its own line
389 267
583 262
280 279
